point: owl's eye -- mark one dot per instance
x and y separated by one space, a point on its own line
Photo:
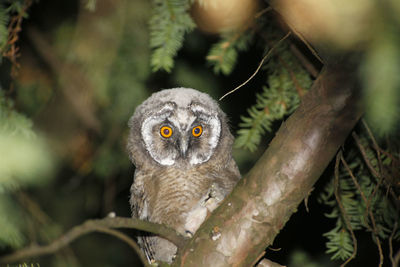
197 131
166 131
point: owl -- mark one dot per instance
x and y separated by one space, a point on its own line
181 146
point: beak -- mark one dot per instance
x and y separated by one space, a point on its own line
183 146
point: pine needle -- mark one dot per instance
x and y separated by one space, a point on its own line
258 68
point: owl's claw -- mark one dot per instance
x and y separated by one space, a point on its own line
212 198
188 234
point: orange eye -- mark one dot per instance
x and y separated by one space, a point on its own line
166 131
197 131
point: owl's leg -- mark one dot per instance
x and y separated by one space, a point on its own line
206 205
214 197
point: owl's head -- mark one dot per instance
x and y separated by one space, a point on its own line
181 127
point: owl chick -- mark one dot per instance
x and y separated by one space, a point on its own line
181 146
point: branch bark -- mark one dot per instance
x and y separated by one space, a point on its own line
263 201
248 221
99 225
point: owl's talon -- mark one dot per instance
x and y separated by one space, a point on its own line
189 234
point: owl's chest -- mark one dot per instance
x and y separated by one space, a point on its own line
172 193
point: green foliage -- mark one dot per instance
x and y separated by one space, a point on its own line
4 17
16 6
340 243
223 54
381 80
11 222
126 89
168 25
20 145
25 158
8 8
300 258
356 209
25 161
91 5
287 81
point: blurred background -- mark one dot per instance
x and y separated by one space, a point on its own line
72 73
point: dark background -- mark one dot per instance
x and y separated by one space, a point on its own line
93 174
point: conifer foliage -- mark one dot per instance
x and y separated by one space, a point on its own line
362 197
168 26
24 158
223 54
19 145
286 82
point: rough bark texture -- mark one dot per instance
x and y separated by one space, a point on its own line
248 221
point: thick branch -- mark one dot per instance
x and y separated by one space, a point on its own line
99 225
248 221
263 201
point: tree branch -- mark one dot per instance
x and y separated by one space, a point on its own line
263 201
249 219
97 225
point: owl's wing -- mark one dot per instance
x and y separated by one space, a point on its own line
139 208
145 243
228 177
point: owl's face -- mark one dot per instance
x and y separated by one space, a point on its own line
180 127
175 133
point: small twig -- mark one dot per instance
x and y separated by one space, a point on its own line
309 46
93 226
33 208
274 249
371 215
11 50
375 145
306 199
262 12
354 179
392 259
39 216
342 210
258 68
375 173
312 70
370 133
364 154
396 259
371 168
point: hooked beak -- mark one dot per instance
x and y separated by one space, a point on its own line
183 146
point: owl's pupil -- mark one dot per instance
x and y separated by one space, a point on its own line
196 130
166 132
